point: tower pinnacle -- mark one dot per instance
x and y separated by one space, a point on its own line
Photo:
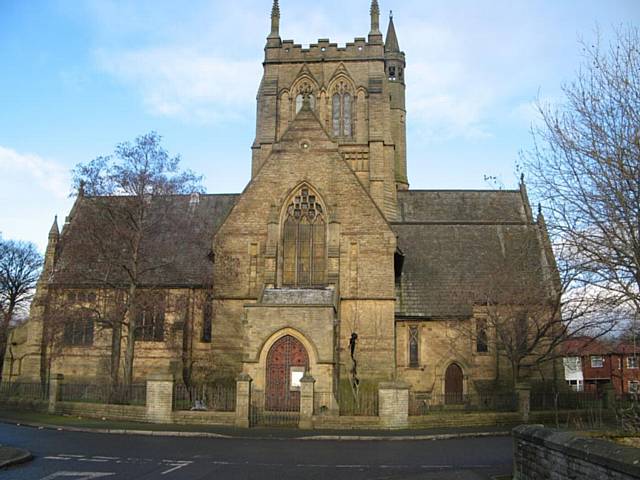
275 22
391 44
54 232
375 17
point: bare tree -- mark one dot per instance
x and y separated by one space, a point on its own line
586 169
20 266
128 202
526 306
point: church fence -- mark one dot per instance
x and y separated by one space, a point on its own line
421 403
212 397
264 412
549 400
27 391
103 393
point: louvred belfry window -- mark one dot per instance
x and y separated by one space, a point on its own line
304 242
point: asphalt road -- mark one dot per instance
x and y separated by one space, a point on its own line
85 456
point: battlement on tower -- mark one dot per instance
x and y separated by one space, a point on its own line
324 50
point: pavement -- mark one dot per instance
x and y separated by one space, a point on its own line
10 456
89 425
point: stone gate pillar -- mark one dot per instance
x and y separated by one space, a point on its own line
55 385
160 398
393 404
243 400
523 391
307 383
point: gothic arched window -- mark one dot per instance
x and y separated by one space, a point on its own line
341 106
305 89
304 241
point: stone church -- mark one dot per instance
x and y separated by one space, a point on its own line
327 262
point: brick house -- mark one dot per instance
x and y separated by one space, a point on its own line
593 364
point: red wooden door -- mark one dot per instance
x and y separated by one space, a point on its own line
453 384
287 352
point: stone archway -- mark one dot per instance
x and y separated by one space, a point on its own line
453 385
287 361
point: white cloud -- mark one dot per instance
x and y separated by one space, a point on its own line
27 168
183 83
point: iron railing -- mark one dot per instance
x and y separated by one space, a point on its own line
135 394
421 403
214 397
26 390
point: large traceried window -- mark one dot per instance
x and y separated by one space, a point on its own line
304 241
341 110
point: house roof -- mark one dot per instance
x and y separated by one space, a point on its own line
174 252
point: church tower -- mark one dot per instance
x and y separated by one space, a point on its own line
357 91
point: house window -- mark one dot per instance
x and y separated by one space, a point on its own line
150 324
597 361
482 345
304 239
414 346
207 318
634 386
632 362
572 364
78 332
342 106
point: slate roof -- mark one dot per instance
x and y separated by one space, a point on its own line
175 255
464 247
467 206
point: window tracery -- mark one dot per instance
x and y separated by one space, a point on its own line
342 108
304 241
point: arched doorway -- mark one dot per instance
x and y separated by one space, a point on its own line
453 385
287 361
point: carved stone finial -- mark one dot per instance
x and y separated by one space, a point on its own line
375 17
275 20
522 177
539 209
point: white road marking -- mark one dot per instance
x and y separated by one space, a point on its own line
57 458
78 475
99 460
106 458
177 465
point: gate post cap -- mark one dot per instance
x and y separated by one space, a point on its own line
244 377
307 378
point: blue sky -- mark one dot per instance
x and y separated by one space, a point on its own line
80 76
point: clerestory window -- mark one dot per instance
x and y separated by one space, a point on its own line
304 242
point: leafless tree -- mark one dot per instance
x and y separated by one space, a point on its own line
526 306
127 199
585 167
20 266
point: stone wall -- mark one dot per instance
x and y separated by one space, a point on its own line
101 410
541 453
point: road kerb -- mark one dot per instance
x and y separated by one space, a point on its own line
161 433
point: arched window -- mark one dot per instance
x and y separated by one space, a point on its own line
305 89
304 241
342 105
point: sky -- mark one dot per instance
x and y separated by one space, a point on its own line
78 77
